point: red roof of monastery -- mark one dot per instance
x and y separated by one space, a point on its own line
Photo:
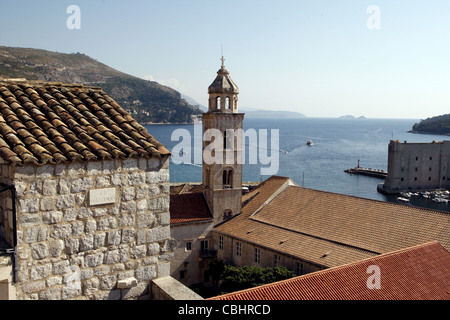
418 273
328 229
189 207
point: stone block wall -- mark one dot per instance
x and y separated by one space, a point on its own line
72 247
417 166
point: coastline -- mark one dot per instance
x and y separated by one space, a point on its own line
429 132
167 123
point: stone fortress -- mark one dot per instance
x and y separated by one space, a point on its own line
417 167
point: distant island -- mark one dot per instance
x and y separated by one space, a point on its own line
271 114
351 117
439 125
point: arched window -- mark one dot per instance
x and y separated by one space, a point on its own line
207 176
227 178
227 103
225 140
218 103
227 214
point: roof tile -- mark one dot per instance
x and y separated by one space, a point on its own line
52 122
417 273
327 229
189 207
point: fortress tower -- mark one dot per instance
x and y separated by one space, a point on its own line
222 177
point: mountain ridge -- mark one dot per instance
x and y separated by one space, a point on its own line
148 101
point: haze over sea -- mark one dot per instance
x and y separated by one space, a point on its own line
338 144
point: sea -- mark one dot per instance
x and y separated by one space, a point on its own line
338 144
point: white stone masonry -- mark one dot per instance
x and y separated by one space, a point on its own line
74 247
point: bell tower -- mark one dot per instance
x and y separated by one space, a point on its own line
222 169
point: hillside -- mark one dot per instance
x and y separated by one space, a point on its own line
434 125
148 101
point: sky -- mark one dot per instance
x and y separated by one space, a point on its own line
322 58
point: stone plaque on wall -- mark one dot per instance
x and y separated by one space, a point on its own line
102 196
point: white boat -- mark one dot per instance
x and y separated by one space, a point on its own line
406 194
401 199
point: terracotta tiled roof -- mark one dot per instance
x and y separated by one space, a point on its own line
52 122
417 273
327 229
189 207
186 188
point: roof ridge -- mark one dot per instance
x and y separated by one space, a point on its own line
378 201
275 194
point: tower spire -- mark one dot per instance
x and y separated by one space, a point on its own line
223 62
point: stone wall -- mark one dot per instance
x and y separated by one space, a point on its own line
187 261
69 248
417 166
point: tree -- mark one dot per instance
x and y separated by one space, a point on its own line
240 278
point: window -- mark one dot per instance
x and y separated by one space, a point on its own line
257 255
298 268
429 178
188 246
431 158
227 178
227 103
227 214
228 141
218 103
276 260
204 246
183 274
238 249
225 145
220 243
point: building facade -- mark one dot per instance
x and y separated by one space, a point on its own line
417 167
191 223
